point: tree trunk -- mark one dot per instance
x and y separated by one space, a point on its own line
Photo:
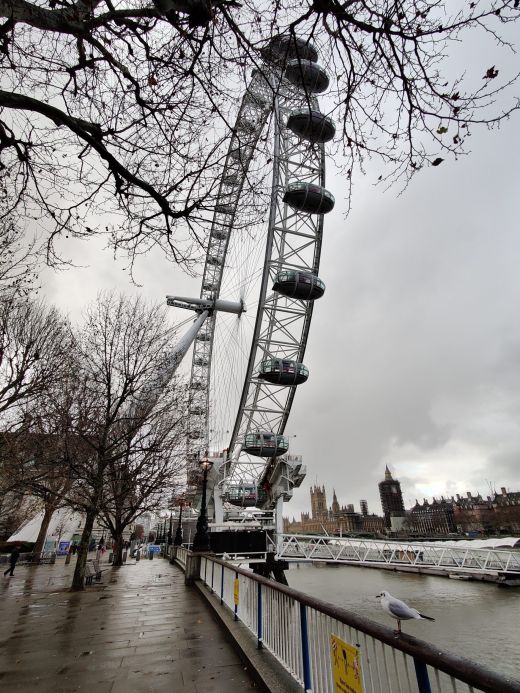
78 581
118 547
42 534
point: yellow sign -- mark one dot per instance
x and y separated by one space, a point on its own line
236 590
346 666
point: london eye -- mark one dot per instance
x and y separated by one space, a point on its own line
259 285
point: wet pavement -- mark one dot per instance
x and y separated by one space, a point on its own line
139 630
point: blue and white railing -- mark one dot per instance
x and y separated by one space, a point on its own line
297 629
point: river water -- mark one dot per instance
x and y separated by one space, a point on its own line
474 619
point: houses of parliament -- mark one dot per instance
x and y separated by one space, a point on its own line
499 513
336 519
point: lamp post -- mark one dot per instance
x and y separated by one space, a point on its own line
170 532
178 532
201 539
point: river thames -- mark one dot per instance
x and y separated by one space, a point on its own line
474 619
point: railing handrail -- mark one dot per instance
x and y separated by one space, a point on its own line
454 665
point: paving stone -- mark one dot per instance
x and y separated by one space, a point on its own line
140 630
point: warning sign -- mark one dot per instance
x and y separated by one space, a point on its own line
346 666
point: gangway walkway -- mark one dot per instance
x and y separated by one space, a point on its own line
487 563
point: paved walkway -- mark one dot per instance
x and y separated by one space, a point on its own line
140 631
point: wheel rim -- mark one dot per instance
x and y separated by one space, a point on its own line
226 411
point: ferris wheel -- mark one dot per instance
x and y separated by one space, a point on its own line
260 282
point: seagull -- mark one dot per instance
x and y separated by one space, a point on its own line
399 610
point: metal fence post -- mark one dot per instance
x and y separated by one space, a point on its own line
421 672
236 597
259 616
307 683
221 584
212 574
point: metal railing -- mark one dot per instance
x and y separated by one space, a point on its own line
297 629
181 555
299 547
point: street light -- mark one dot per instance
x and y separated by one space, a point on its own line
178 532
201 539
163 532
170 533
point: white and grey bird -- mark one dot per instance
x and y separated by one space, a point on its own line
399 610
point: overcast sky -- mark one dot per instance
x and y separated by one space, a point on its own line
414 350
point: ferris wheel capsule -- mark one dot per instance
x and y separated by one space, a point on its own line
219 234
265 444
231 179
224 208
283 372
309 198
282 48
298 284
247 126
241 153
307 75
310 125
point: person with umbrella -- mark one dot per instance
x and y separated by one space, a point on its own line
15 555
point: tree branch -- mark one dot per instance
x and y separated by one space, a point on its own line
92 134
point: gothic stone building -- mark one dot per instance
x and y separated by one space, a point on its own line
391 498
334 520
496 514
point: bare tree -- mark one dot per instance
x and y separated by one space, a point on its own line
34 345
118 412
26 461
123 109
393 90
11 497
111 118
152 465
17 261
48 478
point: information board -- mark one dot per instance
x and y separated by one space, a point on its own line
346 666
63 548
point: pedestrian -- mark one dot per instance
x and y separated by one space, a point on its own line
15 555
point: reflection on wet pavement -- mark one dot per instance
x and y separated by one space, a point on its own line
141 630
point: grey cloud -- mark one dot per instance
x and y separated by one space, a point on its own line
415 345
